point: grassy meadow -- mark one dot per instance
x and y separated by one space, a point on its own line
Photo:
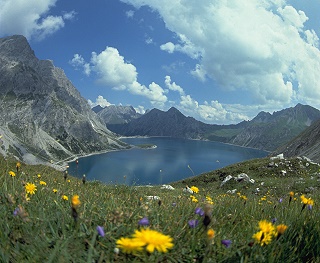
47 217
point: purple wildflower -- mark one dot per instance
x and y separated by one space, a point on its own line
273 220
100 231
199 211
174 204
280 200
226 242
144 222
193 223
16 211
310 207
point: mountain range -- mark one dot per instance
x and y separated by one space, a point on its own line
43 116
266 131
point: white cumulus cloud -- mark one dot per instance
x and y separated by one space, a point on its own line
260 46
100 100
30 18
113 71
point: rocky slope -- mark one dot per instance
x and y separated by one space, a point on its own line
305 144
269 131
43 116
117 114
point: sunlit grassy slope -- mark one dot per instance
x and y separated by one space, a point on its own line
210 226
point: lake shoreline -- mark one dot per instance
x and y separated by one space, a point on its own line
171 156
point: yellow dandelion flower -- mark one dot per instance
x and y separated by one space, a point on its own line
244 197
129 245
306 201
30 188
18 165
193 199
266 227
194 189
43 183
75 201
64 197
210 233
12 173
281 229
209 200
291 194
69 181
262 238
54 190
153 240
39 175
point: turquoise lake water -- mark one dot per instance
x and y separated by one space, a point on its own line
172 160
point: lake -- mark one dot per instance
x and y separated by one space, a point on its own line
172 160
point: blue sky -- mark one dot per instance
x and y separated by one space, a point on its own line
217 61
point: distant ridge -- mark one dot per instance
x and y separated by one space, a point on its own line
266 131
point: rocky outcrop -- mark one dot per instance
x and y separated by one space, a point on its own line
117 114
43 116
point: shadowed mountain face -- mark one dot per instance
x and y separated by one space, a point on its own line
266 131
43 116
306 144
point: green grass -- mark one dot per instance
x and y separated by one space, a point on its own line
45 230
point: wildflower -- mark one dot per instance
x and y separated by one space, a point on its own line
64 197
129 245
263 238
153 240
174 204
193 199
75 202
280 200
209 200
43 183
309 207
266 233
291 194
226 242
30 188
266 226
54 190
306 201
207 215
193 223
274 220
39 176
143 222
13 174
100 231
69 181
281 229
19 211
18 165
210 233
194 189
199 211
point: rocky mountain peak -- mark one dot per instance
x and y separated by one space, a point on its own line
42 112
